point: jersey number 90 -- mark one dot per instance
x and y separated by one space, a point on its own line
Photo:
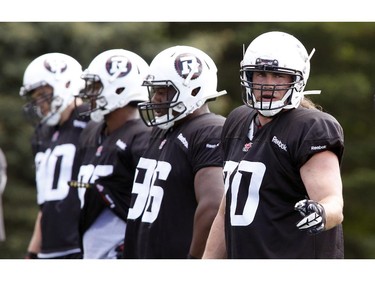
53 171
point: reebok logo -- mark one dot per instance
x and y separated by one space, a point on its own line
318 147
278 142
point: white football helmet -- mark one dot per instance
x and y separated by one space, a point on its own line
113 80
276 52
59 71
192 75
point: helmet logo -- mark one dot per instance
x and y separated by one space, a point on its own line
118 66
55 66
188 65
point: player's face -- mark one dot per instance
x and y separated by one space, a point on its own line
162 95
41 97
91 93
270 86
93 88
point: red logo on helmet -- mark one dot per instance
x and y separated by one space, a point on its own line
188 65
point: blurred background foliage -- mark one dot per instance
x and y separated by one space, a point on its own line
342 67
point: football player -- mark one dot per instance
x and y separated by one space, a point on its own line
178 183
282 160
50 83
110 148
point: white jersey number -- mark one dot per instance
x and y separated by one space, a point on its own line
89 174
149 195
254 171
53 171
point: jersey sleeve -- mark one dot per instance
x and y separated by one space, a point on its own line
317 133
205 151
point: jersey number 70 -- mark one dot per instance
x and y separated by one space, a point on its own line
243 178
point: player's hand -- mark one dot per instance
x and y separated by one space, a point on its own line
314 217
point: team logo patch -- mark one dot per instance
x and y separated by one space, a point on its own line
55 66
118 66
247 146
188 65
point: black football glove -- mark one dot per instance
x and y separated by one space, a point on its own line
314 217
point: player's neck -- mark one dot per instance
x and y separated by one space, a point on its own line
65 115
119 117
263 120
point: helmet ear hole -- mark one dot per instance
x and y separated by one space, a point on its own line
195 91
67 85
120 90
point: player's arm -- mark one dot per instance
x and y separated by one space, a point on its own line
36 239
209 188
215 246
322 179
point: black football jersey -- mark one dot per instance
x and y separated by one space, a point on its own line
160 220
107 167
54 149
263 183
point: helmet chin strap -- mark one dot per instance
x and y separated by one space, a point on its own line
273 112
169 122
269 113
166 125
279 104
